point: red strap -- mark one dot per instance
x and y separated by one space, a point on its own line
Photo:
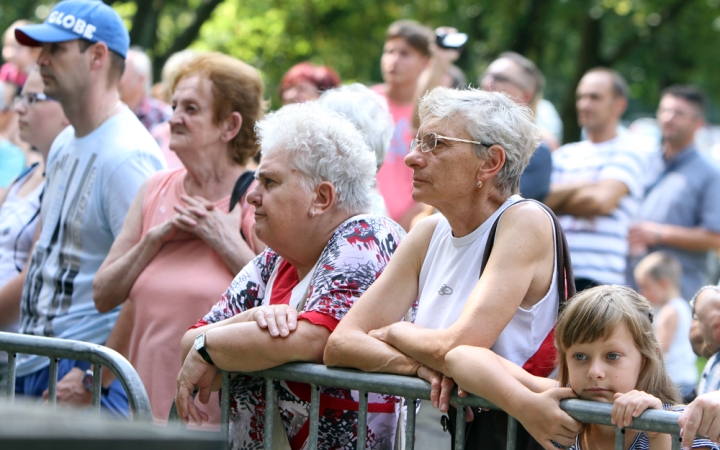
542 363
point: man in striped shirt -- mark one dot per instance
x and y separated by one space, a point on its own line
596 184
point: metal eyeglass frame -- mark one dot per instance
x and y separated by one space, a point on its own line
425 149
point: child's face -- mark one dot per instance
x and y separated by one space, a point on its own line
653 290
598 370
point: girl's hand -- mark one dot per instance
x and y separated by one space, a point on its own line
630 405
542 417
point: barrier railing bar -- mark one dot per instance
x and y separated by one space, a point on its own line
97 382
460 428
511 433
11 377
413 389
411 404
314 415
52 383
362 420
224 406
619 439
270 399
676 442
14 343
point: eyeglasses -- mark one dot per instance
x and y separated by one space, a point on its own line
31 98
429 141
500 78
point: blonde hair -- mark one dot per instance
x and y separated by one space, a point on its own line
595 314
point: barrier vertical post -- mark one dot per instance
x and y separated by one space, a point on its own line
410 425
314 415
362 420
52 382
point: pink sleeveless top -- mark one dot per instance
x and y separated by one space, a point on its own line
179 286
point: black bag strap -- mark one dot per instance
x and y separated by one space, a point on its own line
241 185
564 270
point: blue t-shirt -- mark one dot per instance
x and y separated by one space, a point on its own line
91 182
12 162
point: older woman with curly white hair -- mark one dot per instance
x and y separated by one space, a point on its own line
323 252
470 151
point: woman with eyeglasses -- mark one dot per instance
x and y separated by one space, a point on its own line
467 158
40 120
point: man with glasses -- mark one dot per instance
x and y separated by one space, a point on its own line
94 171
597 183
40 120
520 78
681 211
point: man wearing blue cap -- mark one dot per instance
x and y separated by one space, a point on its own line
94 171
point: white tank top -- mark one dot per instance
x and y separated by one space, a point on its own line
449 274
680 359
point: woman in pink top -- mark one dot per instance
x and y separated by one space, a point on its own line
183 241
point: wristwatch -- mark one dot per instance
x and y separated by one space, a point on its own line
88 383
200 348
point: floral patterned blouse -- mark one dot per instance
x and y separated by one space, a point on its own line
355 256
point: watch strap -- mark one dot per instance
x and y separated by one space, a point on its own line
203 352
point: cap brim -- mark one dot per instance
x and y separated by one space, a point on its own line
38 34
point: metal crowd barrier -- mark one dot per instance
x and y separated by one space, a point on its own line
413 389
99 356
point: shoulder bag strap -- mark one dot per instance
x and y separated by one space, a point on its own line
241 185
564 265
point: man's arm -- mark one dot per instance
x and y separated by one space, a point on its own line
686 238
560 193
595 199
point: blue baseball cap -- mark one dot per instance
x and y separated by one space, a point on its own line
92 20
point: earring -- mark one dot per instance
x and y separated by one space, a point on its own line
479 184
312 213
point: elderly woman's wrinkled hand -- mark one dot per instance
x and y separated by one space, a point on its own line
166 231
203 219
278 320
195 372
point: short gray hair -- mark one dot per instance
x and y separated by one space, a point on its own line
323 146
491 117
142 65
367 110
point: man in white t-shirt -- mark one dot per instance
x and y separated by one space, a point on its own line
596 184
94 170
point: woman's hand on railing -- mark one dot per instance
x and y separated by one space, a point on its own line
542 417
278 320
195 372
440 387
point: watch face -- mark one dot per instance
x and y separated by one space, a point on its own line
199 341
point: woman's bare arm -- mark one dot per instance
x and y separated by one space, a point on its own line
128 257
534 401
384 303
518 273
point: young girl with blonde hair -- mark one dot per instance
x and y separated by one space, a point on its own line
607 352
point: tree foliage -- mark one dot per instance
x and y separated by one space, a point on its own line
653 43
